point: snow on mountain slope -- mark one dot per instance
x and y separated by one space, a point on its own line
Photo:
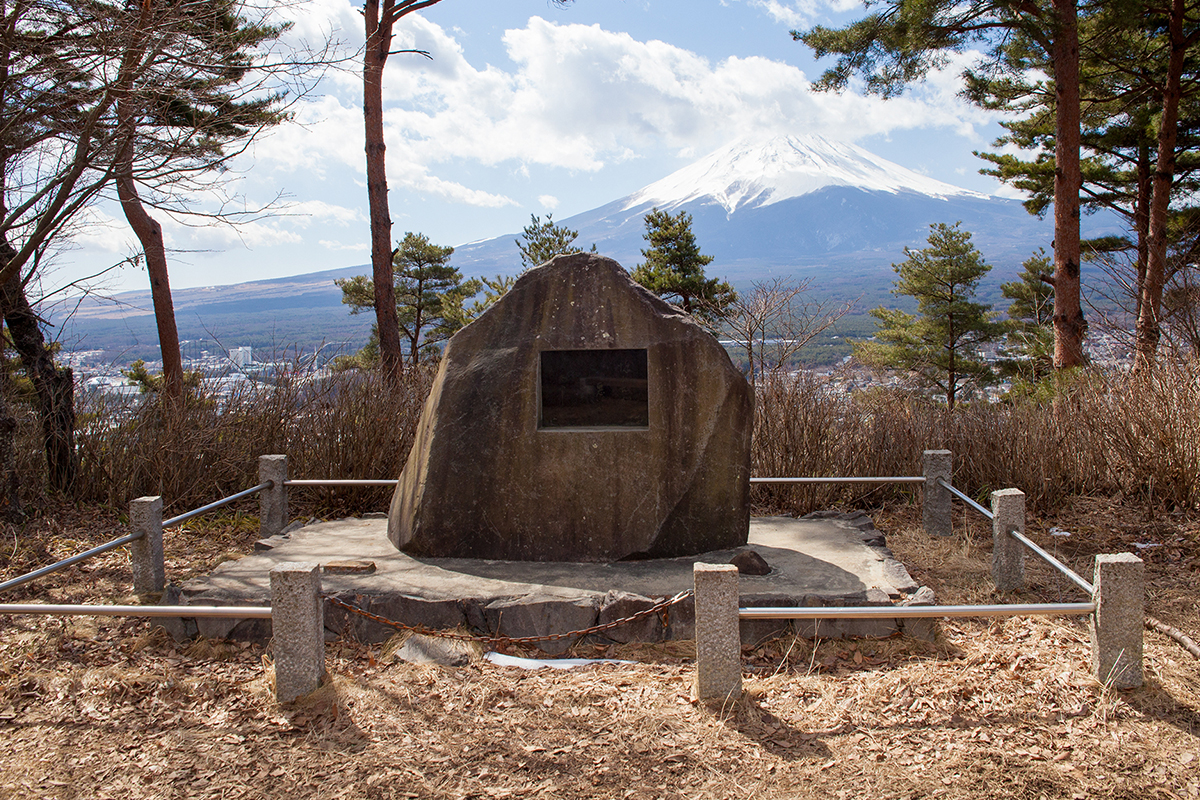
755 173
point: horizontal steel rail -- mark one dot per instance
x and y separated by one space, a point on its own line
1069 573
966 499
878 479
167 523
233 612
393 482
66 562
913 612
342 482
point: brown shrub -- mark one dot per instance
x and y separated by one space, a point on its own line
1098 434
333 427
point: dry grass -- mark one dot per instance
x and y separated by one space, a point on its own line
1123 437
331 428
1112 435
1005 709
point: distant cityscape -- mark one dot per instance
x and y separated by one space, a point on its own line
224 371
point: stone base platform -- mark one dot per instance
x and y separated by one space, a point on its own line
821 560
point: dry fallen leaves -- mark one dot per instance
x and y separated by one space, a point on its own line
111 708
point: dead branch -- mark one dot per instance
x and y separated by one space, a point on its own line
1179 636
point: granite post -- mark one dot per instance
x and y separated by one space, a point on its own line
718 643
297 629
146 553
1116 627
935 505
272 502
1008 555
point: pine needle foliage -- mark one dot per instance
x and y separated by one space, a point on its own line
940 344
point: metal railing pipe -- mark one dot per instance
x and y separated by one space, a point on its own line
966 499
914 612
1069 573
167 523
877 479
343 482
66 562
234 612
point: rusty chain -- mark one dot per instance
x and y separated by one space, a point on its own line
660 606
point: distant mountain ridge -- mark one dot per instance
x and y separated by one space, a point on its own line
801 206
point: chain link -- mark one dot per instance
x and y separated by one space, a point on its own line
660 606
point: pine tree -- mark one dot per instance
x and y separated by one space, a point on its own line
674 267
542 241
1031 320
939 344
429 297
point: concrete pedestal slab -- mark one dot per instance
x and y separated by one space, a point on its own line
816 562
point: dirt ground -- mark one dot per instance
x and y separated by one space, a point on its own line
102 708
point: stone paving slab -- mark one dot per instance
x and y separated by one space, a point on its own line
822 560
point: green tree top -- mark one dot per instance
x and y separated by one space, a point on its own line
1032 297
542 241
674 267
938 345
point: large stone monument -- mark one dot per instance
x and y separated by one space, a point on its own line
581 418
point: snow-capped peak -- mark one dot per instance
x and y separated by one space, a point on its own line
751 172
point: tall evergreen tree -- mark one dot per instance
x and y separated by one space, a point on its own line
939 344
674 267
903 40
1137 125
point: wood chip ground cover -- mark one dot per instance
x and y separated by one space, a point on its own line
102 708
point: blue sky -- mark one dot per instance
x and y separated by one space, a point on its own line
529 108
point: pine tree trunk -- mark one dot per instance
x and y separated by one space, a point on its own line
55 387
375 54
147 229
1141 221
10 495
149 233
1069 324
1149 322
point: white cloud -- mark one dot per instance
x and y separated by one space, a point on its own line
309 211
548 201
579 97
803 13
99 230
361 247
415 176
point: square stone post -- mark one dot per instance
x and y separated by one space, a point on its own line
146 553
1008 555
718 643
297 629
1116 629
935 504
272 503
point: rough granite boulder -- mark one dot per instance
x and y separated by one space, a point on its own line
581 418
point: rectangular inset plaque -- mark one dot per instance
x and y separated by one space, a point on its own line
594 389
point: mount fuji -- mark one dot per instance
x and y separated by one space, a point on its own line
801 205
